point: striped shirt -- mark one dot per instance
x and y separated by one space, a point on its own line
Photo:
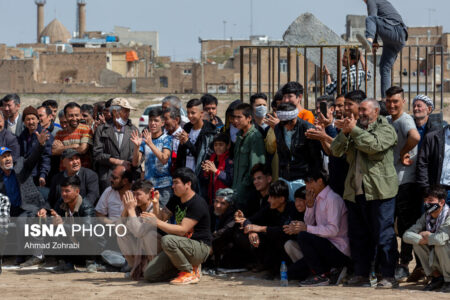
82 135
332 87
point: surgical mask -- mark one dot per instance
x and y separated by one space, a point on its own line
260 111
121 122
431 207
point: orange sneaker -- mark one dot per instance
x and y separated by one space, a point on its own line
198 271
185 278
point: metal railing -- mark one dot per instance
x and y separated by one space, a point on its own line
267 68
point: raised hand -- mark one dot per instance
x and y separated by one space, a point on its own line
42 137
147 137
129 201
136 138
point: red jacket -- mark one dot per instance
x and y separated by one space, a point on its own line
223 178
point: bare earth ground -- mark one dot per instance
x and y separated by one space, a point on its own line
44 285
38 284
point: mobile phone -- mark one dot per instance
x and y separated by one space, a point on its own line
324 108
153 194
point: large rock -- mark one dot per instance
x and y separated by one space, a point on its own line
308 30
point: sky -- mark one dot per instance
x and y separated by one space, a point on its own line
181 22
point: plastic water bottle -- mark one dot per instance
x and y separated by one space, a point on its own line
372 277
283 274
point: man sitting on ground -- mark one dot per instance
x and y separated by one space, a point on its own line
188 242
72 204
138 245
323 236
430 239
110 204
265 228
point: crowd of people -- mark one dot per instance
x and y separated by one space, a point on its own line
325 191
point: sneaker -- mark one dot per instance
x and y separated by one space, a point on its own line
358 281
445 287
434 284
364 42
185 278
416 275
401 272
63 267
341 276
33 261
317 280
198 271
387 283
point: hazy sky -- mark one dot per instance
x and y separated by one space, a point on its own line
181 22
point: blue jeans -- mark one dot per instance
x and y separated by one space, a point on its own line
372 236
164 195
393 36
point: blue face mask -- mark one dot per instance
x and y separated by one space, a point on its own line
260 111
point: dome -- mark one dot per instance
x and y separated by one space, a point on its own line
57 32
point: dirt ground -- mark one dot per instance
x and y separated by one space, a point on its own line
15 284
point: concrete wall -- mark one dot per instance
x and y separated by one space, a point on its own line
145 37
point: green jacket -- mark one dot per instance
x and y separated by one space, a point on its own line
376 146
248 151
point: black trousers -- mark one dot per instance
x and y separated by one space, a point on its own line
320 254
372 236
408 206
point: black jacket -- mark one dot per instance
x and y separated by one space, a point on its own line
9 140
31 198
273 219
88 189
221 224
83 209
200 150
430 159
302 156
106 146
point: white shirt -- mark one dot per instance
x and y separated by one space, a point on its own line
445 176
175 140
190 160
110 204
12 125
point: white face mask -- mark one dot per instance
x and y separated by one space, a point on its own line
260 111
121 122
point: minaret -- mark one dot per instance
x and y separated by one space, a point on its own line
40 18
81 18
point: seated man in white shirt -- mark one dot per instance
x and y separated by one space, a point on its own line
110 205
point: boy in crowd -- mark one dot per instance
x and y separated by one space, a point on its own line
265 228
248 151
195 142
293 93
430 239
156 147
258 102
218 169
210 108
407 202
140 244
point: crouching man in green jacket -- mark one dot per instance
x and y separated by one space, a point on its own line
430 237
370 189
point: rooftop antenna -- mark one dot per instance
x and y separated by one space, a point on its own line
224 29
251 17
430 14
